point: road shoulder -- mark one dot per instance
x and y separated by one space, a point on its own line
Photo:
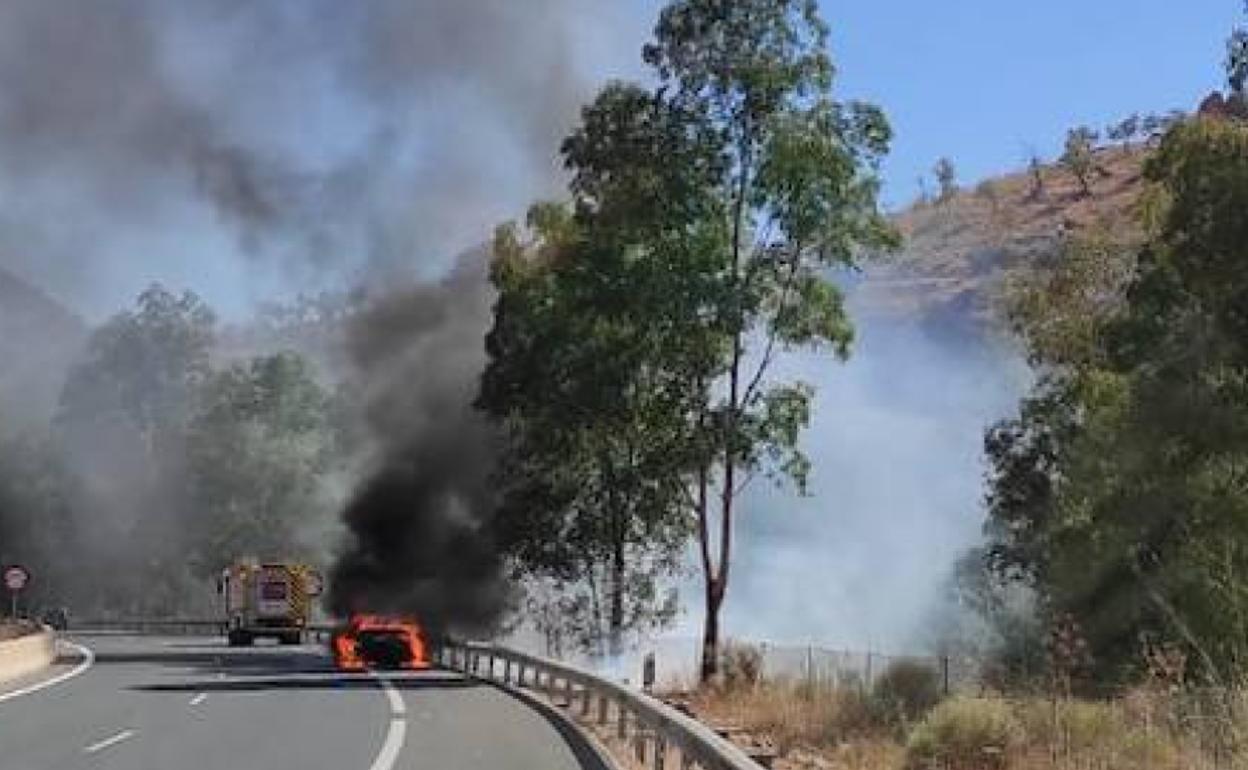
68 661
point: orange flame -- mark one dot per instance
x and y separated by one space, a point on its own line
377 641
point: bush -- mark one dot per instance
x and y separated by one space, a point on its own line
964 734
1071 725
740 665
905 691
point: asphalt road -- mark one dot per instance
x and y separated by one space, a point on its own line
155 703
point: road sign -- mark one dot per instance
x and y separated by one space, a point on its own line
16 577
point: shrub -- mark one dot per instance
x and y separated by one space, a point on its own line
741 665
1070 725
964 734
906 690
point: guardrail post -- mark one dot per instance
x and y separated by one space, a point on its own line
660 752
686 761
603 702
586 695
506 670
621 729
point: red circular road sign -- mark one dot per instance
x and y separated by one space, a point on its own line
16 577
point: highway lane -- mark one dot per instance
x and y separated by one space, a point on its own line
196 704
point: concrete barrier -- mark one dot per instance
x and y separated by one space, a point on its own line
27 654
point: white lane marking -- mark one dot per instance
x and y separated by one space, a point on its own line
88 658
389 753
198 699
397 707
104 744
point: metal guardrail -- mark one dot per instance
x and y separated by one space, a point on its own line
172 626
655 728
177 626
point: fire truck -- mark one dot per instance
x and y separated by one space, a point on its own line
272 599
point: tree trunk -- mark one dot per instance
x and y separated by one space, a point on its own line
595 607
710 632
616 631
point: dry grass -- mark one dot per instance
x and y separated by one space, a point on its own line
1144 729
808 727
960 252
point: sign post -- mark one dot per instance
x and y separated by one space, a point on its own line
15 579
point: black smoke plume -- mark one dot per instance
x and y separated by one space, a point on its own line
421 522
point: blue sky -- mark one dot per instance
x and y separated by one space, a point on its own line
982 80
381 96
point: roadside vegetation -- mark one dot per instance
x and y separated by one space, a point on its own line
166 459
905 722
633 358
1116 503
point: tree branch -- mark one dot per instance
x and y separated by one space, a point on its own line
769 351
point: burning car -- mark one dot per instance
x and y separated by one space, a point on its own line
379 642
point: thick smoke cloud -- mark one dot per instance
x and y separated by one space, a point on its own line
248 149
252 150
420 524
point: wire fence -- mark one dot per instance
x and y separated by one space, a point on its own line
676 664
1151 725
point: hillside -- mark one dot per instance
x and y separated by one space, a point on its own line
38 339
959 253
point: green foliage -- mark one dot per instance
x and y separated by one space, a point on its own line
592 433
1078 157
142 368
906 690
1119 491
634 332
965 734
1237 61
35 522
794 194
947 177
741 665
1035 167
159 468
259 445
1125 130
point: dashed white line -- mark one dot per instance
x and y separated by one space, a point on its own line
389 753
88 658
198 699
113 741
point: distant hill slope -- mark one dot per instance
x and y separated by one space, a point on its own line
39 338
959 252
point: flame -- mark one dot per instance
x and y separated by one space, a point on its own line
377 641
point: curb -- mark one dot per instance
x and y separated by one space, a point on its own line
27 654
